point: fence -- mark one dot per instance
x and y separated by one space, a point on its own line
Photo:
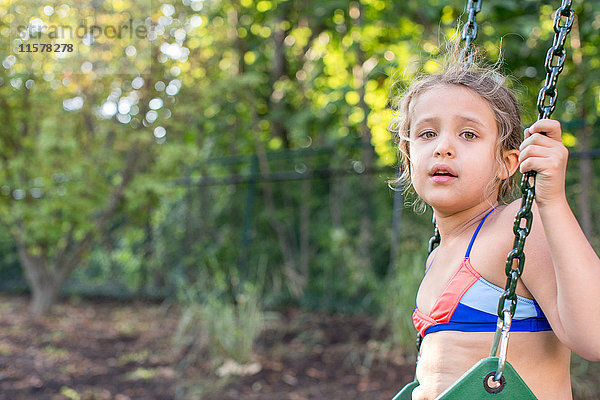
214 225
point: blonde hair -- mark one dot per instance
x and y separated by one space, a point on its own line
488 83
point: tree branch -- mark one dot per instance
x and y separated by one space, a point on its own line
74 257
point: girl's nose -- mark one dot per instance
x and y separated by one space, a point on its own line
444 147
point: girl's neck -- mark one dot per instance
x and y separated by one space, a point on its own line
454 225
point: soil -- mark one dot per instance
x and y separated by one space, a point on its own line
86 351
104 350
322 356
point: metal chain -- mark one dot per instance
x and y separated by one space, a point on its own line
469 32
433 242
546 103
435 239
555 58
515 261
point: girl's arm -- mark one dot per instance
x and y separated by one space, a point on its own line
563 270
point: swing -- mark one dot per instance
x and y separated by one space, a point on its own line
494 375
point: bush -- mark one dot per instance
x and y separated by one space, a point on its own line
398 300
220 329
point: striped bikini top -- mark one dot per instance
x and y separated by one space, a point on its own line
469 303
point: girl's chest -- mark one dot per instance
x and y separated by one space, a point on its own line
451 269
436 280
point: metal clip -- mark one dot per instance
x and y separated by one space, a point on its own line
503 345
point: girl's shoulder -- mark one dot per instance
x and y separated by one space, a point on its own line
497 241
505 221
498 228
509 211
506 214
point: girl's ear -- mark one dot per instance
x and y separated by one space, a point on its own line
510 160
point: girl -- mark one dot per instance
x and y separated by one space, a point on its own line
459 135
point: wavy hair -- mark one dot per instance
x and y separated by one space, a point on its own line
488 83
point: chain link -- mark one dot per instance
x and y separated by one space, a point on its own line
555 58
433 242
435 239
469 32
546 103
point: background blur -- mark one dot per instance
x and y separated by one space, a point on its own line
226 189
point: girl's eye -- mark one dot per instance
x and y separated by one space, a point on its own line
428 134
468 135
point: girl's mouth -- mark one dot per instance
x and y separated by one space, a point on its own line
442 175
443 178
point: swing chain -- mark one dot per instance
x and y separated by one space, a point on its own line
516 257
554 63
435 239
469 31
555 58
433 242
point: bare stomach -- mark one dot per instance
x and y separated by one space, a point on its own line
539 358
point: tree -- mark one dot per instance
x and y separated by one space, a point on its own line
73 143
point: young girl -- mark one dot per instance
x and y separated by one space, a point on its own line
459 135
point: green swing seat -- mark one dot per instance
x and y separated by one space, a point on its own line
472 385
406 392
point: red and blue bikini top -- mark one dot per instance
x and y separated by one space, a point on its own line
469 303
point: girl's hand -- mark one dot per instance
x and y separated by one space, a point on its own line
546 154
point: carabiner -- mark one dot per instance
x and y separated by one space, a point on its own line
503 345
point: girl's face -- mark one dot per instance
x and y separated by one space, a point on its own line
453 136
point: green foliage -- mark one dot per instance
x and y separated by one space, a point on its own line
340 281
584 377
219 328
70 393
397 299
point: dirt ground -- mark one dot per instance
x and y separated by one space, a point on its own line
87 351
111 351
105 350
322 356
